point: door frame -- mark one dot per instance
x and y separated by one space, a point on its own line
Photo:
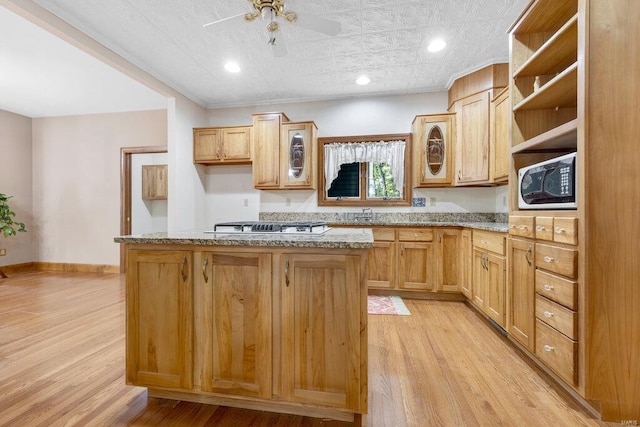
125 192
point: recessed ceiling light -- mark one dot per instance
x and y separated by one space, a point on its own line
363 80
436 45
232 67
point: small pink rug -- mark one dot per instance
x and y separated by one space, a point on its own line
386 305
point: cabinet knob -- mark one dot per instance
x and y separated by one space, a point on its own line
560 230
548 348
548 314
547 287
548 259
522 227
539 228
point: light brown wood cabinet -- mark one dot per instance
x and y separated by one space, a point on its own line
222 145
489 274
466 260
160 318
500 117
521 312
284 153
259 328
321 330
415 259
433 149
237 345
154 182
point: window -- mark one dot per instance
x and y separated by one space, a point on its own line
370 170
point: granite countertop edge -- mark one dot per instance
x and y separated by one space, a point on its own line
338 238
500 227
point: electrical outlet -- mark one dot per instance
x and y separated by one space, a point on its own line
287 201
432 201
246 202
3 252
504 200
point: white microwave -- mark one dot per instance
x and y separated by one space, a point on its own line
549 185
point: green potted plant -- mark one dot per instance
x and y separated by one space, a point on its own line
8 225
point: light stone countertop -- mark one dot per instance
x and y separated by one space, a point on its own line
336 238
500 227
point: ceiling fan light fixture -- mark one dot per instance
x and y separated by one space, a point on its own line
232 67
436 45
363 80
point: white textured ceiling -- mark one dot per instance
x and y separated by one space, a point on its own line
385 39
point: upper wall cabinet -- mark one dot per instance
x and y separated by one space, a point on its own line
470 98
284 155
228 145
500 116
154 182
298 155
433 142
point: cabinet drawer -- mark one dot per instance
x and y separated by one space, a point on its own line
521 226
565 230
384 234
544 228
558 289
557 351
560 318
415 234
489 241
557 260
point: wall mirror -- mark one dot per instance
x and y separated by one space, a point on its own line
369 170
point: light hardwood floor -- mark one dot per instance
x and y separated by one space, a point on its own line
62 363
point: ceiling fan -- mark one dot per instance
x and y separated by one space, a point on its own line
270 11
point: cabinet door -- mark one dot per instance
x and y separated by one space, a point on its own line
433 150
297 159
321 308
472 160
237 350
480 283
495 297
206 145
266 150
154 182
466 260
500 117
417 267
382 259
159 347
236 144
521 314
449 261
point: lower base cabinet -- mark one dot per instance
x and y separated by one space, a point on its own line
260 328
521 292
489 275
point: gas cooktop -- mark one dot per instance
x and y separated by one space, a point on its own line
297 227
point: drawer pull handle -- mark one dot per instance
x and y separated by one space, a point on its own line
286 272
548 314
183 270
484 242
559 230
204 269
539 228
548 259
512 226
548 348
548 287
522 227
526 256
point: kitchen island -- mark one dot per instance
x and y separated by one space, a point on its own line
269 321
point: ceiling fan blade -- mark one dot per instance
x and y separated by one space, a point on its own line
319 24
278 45
225 21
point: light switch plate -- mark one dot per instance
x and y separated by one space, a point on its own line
3 252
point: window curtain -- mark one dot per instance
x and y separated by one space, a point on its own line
390 152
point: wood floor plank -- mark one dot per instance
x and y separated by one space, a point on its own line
62 364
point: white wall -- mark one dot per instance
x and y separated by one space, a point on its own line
186 202
227 188
147 216
76 181
16 181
